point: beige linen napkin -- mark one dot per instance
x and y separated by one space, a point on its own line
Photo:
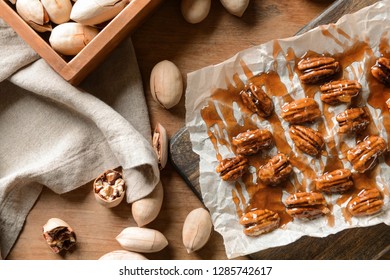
55 135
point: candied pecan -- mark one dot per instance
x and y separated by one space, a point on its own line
365 154
302 110
353 120
309 205
232 169
336 181
276 170
252 141
367 202
317 69
341 91
388 104
259 221
381 70
307 140
256 100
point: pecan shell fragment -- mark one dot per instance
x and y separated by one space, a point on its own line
58 235
340 91
300 111
317 69
259 221
231 169
381 70
276 170
336 181
252 141
353 120
307 140
365 154
306 205
256 100
367 202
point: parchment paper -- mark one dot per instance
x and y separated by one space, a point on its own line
368 24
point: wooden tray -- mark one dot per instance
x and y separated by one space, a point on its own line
75 70
359 243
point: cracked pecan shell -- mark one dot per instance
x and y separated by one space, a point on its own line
365 154
252 141
257 101
341 91
306 139
259 221
276 170
300 111
317 69
306 205
353 120
231 169
381 70
336 181
367 202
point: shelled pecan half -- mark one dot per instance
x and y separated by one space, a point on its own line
365 154
353 120
336 181
252 141
340 91
231 169
367 202
276 170
307 139
259 221
256 100
306 205
317 69
381 70
300 111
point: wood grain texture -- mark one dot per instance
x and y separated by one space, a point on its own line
348 244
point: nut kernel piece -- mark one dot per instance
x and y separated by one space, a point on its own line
276 170
340 91
367 202
259 221
306 205
307 140
381 70
257 101
109 188
58 235
353 120
300 111
317 69
252 141
231 169
336 181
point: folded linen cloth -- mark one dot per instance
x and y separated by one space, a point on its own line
59 136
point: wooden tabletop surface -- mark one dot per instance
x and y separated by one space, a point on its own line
165 35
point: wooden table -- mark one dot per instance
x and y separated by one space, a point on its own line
165 35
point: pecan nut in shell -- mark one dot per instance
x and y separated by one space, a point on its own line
306 139
300 111
353 120
317 69
340 91
276 170
381 70
231 169
367 202
336 181
259 221
306 205
257 101
364 155
252 141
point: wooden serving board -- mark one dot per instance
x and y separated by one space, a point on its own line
359 243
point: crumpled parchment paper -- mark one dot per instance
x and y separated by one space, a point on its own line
369 25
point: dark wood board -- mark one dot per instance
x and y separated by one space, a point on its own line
358 243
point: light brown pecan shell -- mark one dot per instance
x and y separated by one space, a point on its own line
257 101
365 154
231 169
340 91
381 70
317 69
276 170
336 181
300 111
252 141
367 202
259 221
306 139
353 120
306 205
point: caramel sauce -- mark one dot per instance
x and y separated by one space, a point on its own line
222 124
